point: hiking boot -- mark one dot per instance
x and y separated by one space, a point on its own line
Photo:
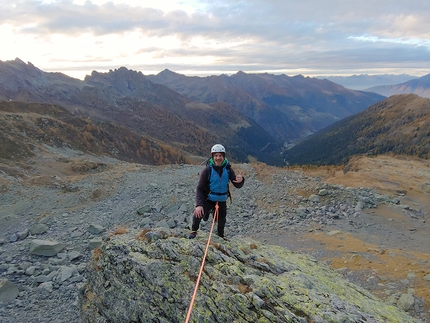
192 235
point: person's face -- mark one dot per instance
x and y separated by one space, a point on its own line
218 159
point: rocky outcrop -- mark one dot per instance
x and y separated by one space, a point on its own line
150 275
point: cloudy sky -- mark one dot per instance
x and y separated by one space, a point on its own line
309 37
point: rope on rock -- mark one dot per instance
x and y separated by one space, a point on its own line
215 219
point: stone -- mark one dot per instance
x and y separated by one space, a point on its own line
13 237
301 212
144 209
96 229
406 302
145 222
4 267
162 224
314 198
359 207
65 273
30 270
38 228
23 234
73 255
322 192
46 248
48 286
8 290
94 243
171 223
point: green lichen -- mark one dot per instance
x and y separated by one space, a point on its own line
155 281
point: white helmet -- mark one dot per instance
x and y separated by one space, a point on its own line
218 149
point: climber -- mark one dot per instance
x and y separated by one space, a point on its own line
213 187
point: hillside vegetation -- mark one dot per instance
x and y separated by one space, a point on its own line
398 125
25 126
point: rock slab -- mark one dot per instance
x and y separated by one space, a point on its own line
8 290
243 281
46 248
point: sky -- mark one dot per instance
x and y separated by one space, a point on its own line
308 37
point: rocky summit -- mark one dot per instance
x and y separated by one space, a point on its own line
150 275
94 239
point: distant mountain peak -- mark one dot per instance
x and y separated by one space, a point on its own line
240 73
168 74
167 71
19 61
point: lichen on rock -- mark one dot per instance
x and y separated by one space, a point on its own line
151 276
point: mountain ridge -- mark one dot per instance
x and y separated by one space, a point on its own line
251 114
419 86
129 99
289 108
362 82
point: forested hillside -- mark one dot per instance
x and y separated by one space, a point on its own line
399 125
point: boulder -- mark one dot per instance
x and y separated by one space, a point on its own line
46 248
94 243
406 302
314 198
38 228
136 278
96 229
144 209
322 192
8 290
65 273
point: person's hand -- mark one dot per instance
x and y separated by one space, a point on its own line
239 178
198 211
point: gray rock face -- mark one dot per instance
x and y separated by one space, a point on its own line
150 276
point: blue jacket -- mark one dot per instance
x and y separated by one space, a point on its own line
218 185
203 187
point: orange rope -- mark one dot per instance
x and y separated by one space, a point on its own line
202 265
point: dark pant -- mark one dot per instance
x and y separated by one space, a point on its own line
209 207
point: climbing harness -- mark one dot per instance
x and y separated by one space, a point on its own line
215 219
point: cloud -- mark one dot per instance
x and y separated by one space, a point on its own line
254 35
